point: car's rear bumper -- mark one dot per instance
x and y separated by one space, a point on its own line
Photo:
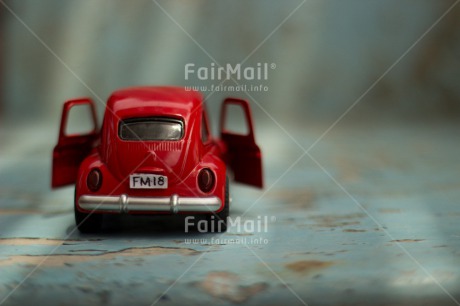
126 204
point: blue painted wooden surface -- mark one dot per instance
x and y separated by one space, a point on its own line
398 244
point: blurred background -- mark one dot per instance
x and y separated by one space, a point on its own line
327 53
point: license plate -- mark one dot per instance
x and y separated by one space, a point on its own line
148 181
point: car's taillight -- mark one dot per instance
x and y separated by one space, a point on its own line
94 180
206 180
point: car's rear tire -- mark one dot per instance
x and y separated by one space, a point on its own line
218 222
87 223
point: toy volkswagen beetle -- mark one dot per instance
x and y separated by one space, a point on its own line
154 154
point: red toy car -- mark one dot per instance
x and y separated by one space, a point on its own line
154 155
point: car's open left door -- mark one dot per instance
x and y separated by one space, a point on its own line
244 156
73 147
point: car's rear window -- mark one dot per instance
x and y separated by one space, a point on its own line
155 128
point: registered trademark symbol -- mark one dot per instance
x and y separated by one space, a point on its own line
272 66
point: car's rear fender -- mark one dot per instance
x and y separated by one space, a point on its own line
186 187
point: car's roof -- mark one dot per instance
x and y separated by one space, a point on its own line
165 100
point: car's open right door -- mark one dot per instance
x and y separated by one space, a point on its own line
72 148
243 154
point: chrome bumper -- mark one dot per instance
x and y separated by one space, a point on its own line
125 204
